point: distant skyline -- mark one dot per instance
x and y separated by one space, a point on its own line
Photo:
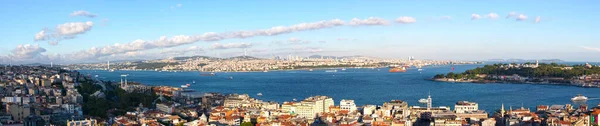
92 31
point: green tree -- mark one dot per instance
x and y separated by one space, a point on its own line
247 124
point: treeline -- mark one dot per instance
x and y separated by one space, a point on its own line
116 102
543 70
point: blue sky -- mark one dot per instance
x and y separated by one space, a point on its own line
442 30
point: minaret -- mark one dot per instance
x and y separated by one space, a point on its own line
429 101
502 111
51 64
108 64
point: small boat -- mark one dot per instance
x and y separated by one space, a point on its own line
266 71
310 70
343 69
96 76
331 71
294 99
194 82
423 101
230 78
259 94
111 70
185 86
419 69
579 97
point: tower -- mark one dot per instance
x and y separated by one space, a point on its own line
108 64
429 101
502 111
124 85
51 64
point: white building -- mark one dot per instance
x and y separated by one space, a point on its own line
167 107
347 105
465 106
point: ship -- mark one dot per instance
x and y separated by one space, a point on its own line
397 69
423 101
259 94
343 68
185 86
579 97
207 74
310 70
331 71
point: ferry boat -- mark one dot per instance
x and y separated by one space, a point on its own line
185 86
397 69
331 71
423 101
579 97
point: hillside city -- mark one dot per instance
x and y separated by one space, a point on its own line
248 63
38 95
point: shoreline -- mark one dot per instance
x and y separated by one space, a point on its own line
508 82
237 71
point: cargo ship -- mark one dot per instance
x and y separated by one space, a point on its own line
397 69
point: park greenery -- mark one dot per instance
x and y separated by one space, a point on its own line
551 70
116 102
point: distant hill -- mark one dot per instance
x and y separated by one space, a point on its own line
244 58
194 57
523 60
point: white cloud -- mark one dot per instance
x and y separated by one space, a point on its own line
27 51
63 31
591 48
231 45
475 16
538 19
492 15
406 20
83 14
511 14
322 41
40 36
521 17
368 21
179 5
74 28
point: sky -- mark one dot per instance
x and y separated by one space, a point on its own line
98 31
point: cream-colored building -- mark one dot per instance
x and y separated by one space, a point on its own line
465 106
322 103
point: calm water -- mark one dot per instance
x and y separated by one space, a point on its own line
365 86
